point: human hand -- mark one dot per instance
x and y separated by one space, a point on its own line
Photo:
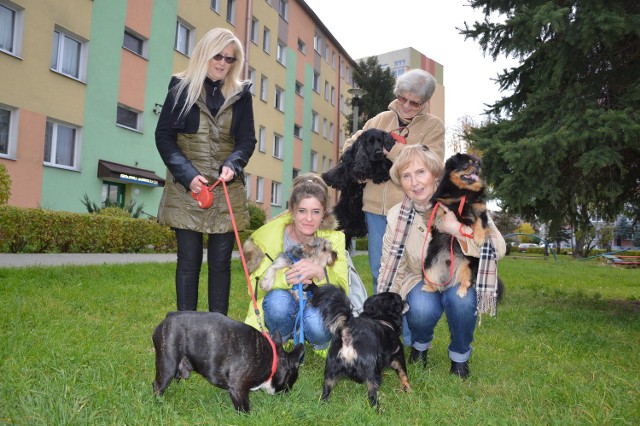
449 223
226 174
197 183
304 271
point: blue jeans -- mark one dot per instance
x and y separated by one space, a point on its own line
280 312
425 310
376 225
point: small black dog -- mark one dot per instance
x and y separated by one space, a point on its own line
362 347
461 178
229 354
363 160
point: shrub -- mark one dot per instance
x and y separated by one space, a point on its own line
5 185
258 217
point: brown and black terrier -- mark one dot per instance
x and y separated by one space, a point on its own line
461 181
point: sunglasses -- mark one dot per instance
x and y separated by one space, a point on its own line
227 59
404 100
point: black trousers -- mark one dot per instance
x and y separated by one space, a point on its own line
190 249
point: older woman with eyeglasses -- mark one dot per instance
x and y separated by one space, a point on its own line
205 133
409 116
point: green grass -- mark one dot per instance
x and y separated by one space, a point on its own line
76 349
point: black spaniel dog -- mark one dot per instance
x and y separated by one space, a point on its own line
364 160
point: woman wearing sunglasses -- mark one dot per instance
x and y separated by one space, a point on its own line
407 116
205 133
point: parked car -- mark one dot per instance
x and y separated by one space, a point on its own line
524 246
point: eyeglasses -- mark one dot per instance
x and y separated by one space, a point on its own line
404 100
227 59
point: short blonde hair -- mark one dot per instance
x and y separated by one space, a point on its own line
411 153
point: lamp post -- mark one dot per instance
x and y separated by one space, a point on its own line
356 94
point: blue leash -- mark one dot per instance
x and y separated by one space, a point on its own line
299 324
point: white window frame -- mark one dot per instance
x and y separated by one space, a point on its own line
281 53
278 101
262 138
324 127
316 82
297 131
58 56
138 117
252 79
302 48
326 90
278 146
14 46
333 95
266 40
314 161
324 164
299 88
264 88
215 6
315 122
247 178
182 45
255 27
276 193
317 43
142 52
53 145
259 189
283 9
331 130
11 133
231 12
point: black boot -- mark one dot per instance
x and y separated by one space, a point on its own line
460 369
416 356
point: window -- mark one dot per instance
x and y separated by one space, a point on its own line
326 90
317 42
331 130
183 38
279 99
324 164
333 95
278 146
264 88
297 131
128 118
8 132
327 54
113 194
259 189
315 122
247 178
333 60
215 6
316 82
281 53
324 127
284 9
254 30
314 161
68 55
231 12
252 78
262 135
134 43
299 87
266 39
60 145
302 47
276 191
11 28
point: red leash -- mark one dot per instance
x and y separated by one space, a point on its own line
463 199
274 364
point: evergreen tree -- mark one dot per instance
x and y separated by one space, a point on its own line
565 144
378 83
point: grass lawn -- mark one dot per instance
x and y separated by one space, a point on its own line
76 349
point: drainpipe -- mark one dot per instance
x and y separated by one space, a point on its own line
247 41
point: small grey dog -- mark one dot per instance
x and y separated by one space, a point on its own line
318 250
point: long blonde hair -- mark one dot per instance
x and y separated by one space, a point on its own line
192 78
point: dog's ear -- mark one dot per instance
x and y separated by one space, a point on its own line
361 164
277 338
296 355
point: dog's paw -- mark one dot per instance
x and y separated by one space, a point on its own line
266 284
428 288
462 291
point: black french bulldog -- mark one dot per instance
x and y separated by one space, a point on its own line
229 354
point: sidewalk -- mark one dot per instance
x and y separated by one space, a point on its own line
56 259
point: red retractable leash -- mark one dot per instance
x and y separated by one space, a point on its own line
207 201
463 199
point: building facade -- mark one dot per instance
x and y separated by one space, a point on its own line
84 81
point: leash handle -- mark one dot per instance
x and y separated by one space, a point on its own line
274 364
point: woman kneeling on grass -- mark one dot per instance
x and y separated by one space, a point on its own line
306 218
417 171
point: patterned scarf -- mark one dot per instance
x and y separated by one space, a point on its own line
405 218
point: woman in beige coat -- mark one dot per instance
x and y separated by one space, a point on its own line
417 171
408 116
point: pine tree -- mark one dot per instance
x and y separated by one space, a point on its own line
565 144
378 83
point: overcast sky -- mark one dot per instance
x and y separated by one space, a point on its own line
372 27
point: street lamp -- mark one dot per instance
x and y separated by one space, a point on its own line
356 94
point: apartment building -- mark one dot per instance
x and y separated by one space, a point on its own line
83 82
